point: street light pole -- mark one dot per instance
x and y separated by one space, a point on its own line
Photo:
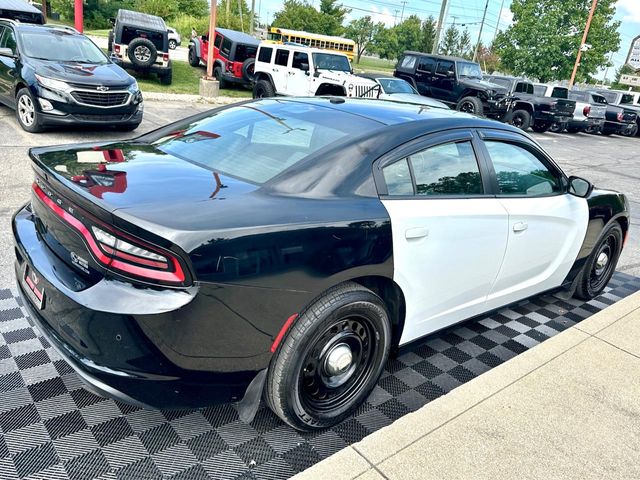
484 16
212 36
443 13
582 43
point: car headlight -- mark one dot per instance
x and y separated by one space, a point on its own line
133 88
53 84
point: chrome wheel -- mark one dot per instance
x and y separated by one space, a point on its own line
26 110
339 364
142 53
603 265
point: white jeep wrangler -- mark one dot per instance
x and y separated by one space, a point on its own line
297 70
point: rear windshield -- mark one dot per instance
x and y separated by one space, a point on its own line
626 99
580 96
258 141
503 82
611 97
560 92
245 51
60 46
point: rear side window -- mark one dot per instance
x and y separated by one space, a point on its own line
599 99
282 57
626 99
519 172
539 90
444 67
449 169
264 55
226 47
244 52
408 62
218 41
426 64
523 87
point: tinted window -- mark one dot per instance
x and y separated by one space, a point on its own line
264 55
260 141
611 97
523 87
398 178
626 99
282 57
503 82
559 92
408 62
217 41
426 64
520 172
444 67
598 99
226 47
244 52
300 58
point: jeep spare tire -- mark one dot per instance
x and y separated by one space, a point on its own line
142 52
249 69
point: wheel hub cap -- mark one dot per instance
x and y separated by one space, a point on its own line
602 261
143 53
338 359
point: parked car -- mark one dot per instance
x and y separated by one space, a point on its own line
234 56
399 90
455 81
290 262
20 11
531 110
620 120
590 112
140 42
624 100
564 106
174 38
53 75
297 70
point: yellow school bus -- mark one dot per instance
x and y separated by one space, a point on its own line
338 44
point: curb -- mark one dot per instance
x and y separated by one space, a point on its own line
187 98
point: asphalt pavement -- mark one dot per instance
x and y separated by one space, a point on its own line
609 162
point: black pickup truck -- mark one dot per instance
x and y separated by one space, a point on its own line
621 124
454 81
531 110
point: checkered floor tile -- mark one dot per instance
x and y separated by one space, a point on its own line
51 428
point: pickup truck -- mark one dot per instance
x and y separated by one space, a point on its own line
561 94
625 101
530 110
590 112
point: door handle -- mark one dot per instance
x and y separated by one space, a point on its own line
414 233
274 70
520 227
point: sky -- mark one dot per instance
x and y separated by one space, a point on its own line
466 13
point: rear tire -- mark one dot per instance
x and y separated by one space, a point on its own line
263 89
330 359
166 78
248 69
601 263
471 105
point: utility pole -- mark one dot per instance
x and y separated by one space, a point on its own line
395 17
582 43
253 16
443 13
212 36
402 14
44 10
484 16
606 71
495 34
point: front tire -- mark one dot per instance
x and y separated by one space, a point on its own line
194 61
601 263
27 112
330 359
263 89
471 105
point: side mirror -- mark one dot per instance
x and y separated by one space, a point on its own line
112 20
316 73
7 52
304 67
580 187
451 74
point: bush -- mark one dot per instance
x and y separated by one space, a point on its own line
184 23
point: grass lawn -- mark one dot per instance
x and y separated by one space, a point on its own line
370 64
98 33
186 79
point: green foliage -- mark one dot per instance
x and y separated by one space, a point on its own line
362 31
331 17
465 49
450 41
184 23
300 15
489 61
428 35
234 15
539 43
411 34
96 12
162 8
385 44
625 69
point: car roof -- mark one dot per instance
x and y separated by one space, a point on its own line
47 26
236 36
141 20
439 57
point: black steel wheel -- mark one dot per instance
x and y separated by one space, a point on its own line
601 263
330 359
470 105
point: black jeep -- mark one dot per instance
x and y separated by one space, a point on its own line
141 42
531 110
455 81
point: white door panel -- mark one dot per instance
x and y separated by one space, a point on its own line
447 254
545 235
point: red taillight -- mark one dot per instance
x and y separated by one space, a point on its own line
118 250
586 110
165 57
116 48
620 116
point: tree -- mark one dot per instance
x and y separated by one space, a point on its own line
161 8
542 42
331 18
428 35
385 43
297 15
409 34
362 31
451 41
233 14
489 61
464 48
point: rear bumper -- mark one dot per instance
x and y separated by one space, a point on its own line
587 123
552 117
140 345
228 77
